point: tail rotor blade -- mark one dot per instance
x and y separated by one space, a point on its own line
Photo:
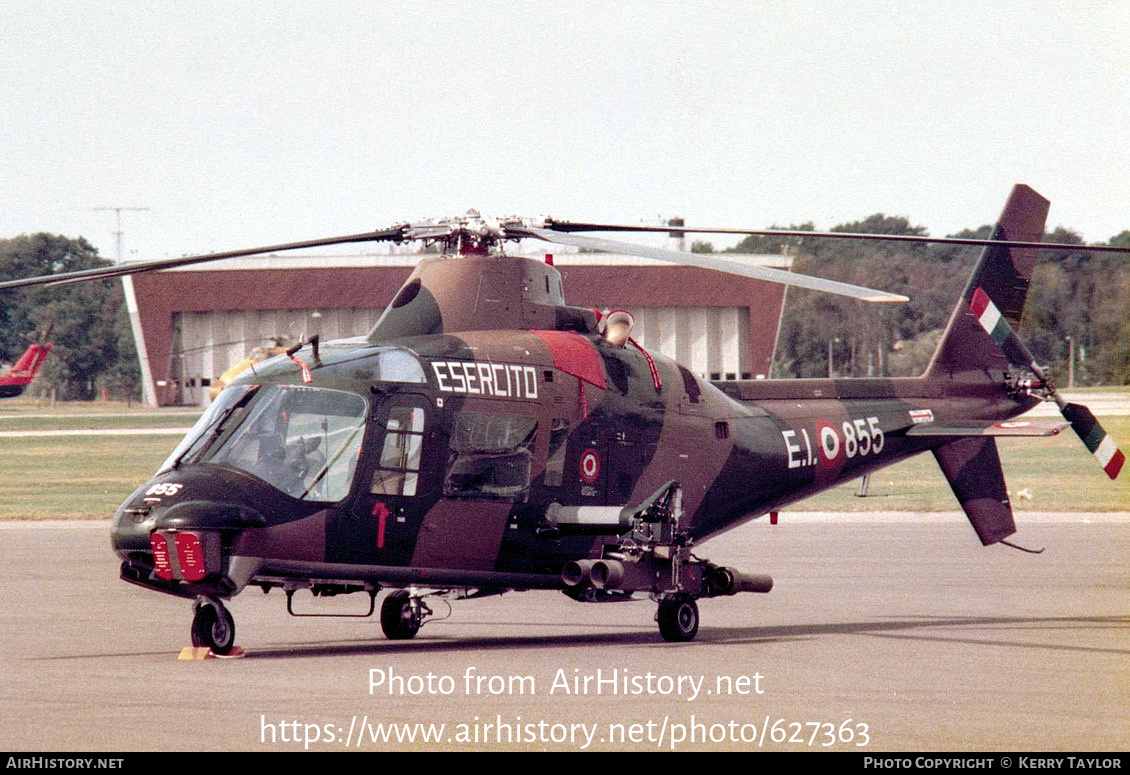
1100 443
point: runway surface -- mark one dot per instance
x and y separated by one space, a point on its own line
901 633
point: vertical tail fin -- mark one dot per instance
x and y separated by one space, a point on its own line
15 380
28 365
973 469
975 347
1002 275
27 362
40 357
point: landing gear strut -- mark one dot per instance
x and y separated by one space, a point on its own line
402 614
213 626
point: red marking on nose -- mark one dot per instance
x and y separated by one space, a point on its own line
160 547
190 554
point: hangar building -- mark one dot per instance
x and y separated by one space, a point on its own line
191 324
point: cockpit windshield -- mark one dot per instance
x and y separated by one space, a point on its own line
304 441
228 406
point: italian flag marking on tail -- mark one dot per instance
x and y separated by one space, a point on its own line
1108 454
1112 455
1100 443
990 317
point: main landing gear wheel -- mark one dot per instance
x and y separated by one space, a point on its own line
678 618
213 626
400 616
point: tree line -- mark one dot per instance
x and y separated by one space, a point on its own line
1078 303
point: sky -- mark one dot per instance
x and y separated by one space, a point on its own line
243 124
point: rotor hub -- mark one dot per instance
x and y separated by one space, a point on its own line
471 234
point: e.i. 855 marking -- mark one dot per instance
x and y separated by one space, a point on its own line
858 437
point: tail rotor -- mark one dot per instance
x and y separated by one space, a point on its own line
1100 443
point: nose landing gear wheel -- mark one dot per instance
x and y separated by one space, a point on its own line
213 626
678 618
400 618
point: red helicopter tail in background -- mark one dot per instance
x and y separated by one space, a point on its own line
15 380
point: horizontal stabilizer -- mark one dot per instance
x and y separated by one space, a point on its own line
988 428
973 468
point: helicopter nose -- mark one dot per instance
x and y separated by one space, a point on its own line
130 529
209 515
187 538
136 521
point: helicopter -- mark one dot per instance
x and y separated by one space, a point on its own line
15 380
486 437
257 355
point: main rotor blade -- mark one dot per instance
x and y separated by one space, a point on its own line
566 226
396 233
706 261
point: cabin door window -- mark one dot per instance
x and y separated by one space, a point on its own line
398 469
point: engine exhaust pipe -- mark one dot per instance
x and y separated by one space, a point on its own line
577 573
607 574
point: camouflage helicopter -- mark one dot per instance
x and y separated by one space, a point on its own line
486 437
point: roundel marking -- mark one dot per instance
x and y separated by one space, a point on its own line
590 466
829 441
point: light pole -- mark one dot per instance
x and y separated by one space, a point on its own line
148 388
1070 362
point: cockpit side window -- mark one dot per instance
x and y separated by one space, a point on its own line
396 365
